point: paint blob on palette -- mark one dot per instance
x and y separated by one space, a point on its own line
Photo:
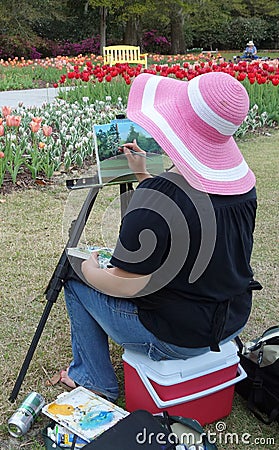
84 413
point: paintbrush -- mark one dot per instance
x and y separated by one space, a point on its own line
145 155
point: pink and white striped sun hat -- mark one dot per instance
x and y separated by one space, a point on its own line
194 123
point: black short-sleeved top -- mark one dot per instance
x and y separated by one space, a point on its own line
197 247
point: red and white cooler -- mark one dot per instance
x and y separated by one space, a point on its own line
201 388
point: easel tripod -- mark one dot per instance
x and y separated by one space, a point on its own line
59 276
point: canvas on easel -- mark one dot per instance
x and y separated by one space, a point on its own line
112 165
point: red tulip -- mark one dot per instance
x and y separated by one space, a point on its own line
241 76
89 65
262 80
271 69
85 76
179 74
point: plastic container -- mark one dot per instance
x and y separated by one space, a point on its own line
48 443
201 387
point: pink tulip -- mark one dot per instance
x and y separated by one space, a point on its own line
2 131
37 119
35 126
13 121
6 110
47 130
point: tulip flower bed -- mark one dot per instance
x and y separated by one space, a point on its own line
253 75
21 73
58 136
54 138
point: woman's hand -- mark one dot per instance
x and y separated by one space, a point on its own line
136 158
91 263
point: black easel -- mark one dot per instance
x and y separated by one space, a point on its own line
59 276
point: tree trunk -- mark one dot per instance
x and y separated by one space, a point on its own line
177 31
103 27
131 36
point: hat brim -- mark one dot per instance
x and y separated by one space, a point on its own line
209 161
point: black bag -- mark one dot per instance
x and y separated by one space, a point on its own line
136 431
142 430
260 360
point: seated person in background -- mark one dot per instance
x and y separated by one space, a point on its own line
250 51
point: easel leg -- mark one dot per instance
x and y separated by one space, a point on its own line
56 283
59 275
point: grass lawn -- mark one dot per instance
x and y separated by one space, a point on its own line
33 229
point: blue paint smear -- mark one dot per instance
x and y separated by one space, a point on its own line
94 420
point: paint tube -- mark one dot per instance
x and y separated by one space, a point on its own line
64 438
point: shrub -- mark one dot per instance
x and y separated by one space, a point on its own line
152 42
86 46
15 46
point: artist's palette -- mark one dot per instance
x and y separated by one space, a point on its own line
84 413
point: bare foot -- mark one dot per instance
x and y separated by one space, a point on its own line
65 379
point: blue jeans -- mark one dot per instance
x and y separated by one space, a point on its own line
94 318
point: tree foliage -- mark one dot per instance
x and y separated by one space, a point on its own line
19 21
26 25
19 16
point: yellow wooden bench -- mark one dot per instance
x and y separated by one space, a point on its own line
124 54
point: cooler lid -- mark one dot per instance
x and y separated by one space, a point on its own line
168 372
